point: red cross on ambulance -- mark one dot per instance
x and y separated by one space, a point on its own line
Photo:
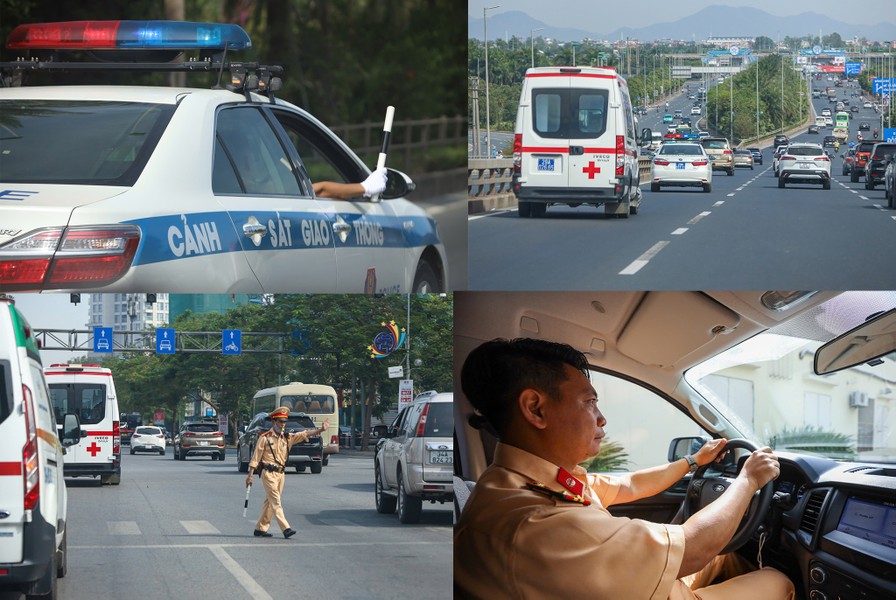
93 449
591 169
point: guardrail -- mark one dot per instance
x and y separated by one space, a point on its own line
489 179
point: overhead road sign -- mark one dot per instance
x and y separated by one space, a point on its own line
165 338
231 342
102 339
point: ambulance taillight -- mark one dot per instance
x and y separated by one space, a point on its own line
30 461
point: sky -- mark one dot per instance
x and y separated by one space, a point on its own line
53 311
603 15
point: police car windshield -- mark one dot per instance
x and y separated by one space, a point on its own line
97 143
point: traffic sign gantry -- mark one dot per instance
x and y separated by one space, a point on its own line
231 342
102 339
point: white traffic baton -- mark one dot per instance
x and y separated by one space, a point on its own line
387 134
246 503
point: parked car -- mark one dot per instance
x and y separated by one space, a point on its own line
757 154
415 461
743 158
307 454
804 163
680 164
148 439
881 153
199 438
675 368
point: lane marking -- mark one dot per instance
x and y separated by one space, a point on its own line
680 231
488 214
122 528
863 197
199 527
240 574
731 194
705 213
642 260
719 203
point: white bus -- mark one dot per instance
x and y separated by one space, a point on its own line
317 401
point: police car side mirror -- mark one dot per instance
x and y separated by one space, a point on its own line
398 185
71 430
682 446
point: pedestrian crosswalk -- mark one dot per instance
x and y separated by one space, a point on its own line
132 528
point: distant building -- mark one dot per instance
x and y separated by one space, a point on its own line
128 312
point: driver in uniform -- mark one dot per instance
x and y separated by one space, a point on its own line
536 524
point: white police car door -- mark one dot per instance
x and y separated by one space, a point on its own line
284 232
372 248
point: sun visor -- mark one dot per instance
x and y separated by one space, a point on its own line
668 326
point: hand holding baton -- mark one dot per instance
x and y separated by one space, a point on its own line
246 503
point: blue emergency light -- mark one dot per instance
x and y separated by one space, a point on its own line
128 35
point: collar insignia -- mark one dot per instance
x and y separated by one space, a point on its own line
570 482
536 486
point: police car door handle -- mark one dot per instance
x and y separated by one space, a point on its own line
341 228
250 229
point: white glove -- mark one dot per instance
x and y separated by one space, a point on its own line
375 183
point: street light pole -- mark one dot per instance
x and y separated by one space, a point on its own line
488 126
532 37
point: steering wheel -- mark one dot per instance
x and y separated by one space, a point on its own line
703 491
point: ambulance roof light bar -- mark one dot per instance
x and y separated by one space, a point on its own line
124 35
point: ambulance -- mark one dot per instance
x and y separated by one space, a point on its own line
575 142
89 392
33 499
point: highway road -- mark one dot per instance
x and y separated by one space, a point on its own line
745 234
174 529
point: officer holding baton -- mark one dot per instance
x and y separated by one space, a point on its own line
270 458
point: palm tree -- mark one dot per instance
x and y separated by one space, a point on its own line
612 457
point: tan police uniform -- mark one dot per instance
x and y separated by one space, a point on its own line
269 459
531 530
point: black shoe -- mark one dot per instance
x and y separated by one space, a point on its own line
289 533
260 533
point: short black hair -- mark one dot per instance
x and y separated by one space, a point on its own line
495 373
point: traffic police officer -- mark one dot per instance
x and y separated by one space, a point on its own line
270 457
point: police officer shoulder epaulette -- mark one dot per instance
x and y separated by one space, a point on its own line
536 486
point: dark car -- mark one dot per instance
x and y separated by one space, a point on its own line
757 155
304 454
812 129
864 126
890 184
881 154
854 108
781 140
848 158
829 140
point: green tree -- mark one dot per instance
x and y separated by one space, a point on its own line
612 457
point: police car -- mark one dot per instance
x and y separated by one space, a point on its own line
149 189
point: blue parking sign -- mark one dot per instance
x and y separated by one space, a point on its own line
165 338
231 342
102 339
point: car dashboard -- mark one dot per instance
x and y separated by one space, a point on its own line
832 527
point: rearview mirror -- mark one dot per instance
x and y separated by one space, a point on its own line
71 430
866 343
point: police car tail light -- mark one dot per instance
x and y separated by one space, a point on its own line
128 35
421 422
700 163
30 462
661 162
620 155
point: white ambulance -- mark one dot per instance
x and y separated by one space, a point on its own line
88 392
33 498
575 142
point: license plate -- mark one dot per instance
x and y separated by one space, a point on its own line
203 443
679 166
546 164
806 165
441 457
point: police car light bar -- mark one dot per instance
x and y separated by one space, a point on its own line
125 35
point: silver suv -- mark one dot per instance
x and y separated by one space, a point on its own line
805 163
415 460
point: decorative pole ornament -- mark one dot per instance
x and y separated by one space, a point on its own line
388 341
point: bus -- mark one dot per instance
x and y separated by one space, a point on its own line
841 119
317 401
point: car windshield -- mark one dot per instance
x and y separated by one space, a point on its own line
767 389
681 149
202 427
715 144
148 431
96 143
805 151
294 422
881 151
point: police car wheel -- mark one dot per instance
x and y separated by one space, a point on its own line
425 280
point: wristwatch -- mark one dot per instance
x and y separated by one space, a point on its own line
691 462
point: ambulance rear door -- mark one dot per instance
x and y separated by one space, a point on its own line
90 397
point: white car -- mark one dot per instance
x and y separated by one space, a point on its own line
681 164
695 110
804 163
825 112
161 189
148 439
